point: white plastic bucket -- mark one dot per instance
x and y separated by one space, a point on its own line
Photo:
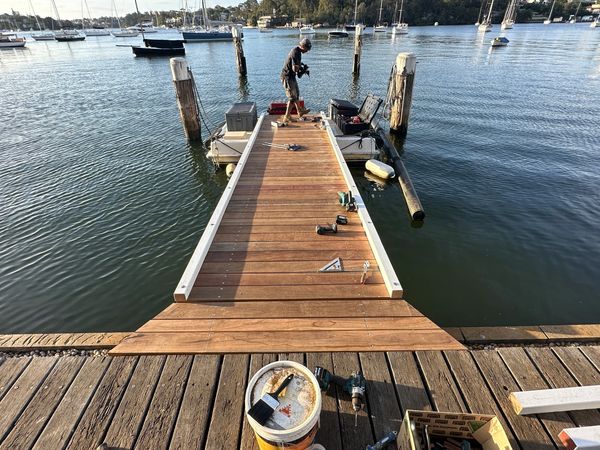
294 424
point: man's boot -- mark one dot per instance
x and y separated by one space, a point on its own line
287 118
301 111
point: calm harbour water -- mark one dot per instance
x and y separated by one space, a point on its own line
103 200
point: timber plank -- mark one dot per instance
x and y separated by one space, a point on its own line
288 309
285 341
311 267
226 421
192 421
31 421
315 324
285 279
476 393
329 434
558 377
528 378
163 410
297 292
257 361
24 342
353 437
384 409
98 413
409 384
475 335
296 357
253 226
445 394
580 367
572 332
321 256
307 235
61 425
22 390
10 370
324 243
129 417
528 430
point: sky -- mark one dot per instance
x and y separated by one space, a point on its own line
71 9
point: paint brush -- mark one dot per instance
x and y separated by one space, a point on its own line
264 408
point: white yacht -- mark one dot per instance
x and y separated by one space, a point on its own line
307 29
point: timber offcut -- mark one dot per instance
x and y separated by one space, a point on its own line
254 283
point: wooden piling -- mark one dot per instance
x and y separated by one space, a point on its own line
415 209
236 31
186 98
400 92
357 49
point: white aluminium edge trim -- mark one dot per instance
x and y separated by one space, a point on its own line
186 283
385 266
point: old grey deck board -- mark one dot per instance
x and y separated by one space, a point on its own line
225 424
257 361
329 434
444 393
381 395
192 422
99 412
528 378
31 421
353 437
558 377
409 384
10 370
476 393
163 410
125 425
59 428
528 430
21 392
579 365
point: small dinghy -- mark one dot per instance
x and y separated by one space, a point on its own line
380 169
500 42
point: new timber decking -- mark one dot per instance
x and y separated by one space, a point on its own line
253 284
196 402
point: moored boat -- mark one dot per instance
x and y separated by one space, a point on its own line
338 33
499 41
157 51
69 36
210 35
307 29
11 40
43 36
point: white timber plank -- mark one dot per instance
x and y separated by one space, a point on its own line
581 438
555 400
385 266
186 283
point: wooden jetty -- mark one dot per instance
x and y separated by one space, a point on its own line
253 283
190 402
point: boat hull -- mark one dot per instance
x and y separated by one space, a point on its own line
43 37
15 44
156 51
207 36
338 34
124 34
69 38
164 43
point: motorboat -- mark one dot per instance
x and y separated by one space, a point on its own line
146 27
499 41
11 40
207 35
69 36
307 29
125 33
338 34
43 36
160 47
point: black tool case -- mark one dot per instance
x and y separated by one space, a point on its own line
366 113
341 107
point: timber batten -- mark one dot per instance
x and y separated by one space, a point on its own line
260 253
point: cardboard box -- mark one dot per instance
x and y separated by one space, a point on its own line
485 429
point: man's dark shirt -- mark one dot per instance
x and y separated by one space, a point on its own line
293 59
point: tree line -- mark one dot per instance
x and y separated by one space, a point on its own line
327 12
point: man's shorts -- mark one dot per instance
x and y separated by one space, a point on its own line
291 88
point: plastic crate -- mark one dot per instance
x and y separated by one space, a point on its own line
241 117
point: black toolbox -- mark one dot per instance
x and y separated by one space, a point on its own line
361 120
339 107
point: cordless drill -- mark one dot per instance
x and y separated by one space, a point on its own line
355 386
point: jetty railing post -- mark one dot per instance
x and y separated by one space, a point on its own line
236 32
357 49
186 98
401 86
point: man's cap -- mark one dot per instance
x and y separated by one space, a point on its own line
306 43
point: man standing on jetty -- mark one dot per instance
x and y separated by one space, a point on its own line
291 67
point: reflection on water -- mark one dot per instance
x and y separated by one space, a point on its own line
104 200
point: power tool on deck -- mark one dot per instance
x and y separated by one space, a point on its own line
383 442
329 228
355 386
346 199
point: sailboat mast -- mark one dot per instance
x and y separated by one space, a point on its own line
551 9
395 11
380 10
355 9
35 15
489 16
401 9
